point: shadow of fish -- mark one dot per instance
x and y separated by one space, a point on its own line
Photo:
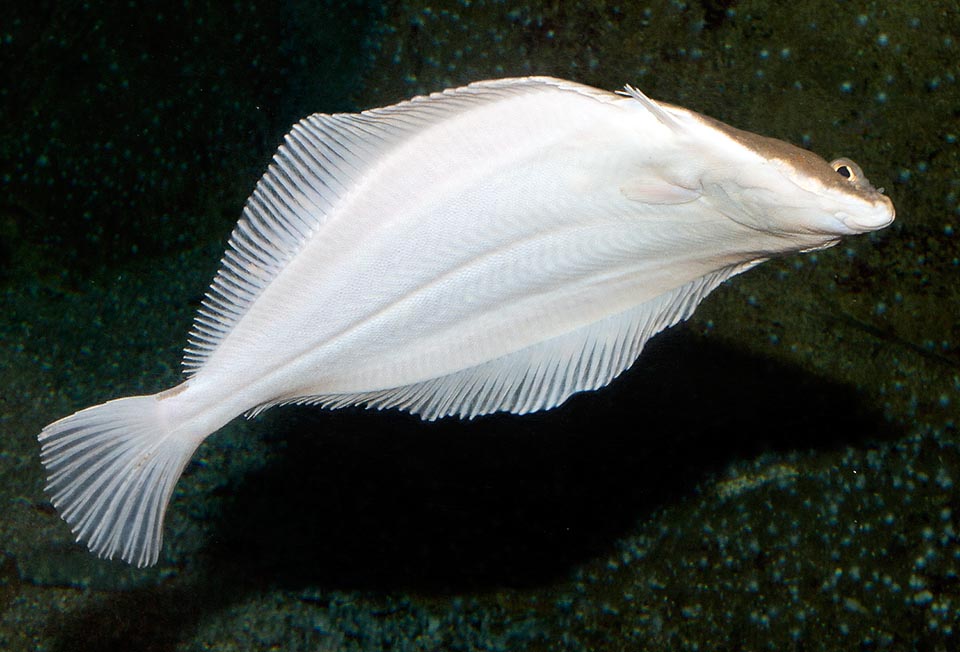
496 247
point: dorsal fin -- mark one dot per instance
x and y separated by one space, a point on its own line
319 161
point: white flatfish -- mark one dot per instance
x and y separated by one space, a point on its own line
496 247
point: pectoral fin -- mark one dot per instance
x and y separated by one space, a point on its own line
658 191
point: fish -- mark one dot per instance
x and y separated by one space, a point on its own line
496 247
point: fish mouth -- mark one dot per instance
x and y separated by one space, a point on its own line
881 216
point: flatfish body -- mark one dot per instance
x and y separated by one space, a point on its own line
496 247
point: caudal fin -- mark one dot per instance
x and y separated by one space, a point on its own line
111 470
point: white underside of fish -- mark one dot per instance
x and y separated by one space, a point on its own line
452 252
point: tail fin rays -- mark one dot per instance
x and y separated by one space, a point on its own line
111 472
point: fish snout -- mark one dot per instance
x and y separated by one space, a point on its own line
877 215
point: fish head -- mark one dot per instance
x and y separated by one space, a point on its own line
831 198
776 187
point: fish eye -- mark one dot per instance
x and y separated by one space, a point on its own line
847 169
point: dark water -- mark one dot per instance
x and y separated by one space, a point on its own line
779 473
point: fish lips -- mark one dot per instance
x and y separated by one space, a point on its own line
880 216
